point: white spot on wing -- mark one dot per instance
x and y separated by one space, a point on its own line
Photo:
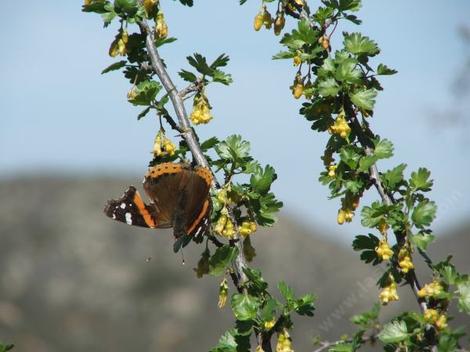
114 216
123 205
128 218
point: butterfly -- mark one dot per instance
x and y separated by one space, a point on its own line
179 197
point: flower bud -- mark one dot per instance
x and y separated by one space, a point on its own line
258 22
279 23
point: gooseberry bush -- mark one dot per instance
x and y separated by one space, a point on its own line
338 89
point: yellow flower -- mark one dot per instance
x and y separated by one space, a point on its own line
269 324
383 227
259 19
383 250
223 293
279 23
118 46
389 293
284 342
332 170
404 261
220 224
340 127
431 315
161 28
299 2
149 5
344 215
430 290
201 113
224 226
267 19
298 90
325 42
441 322
247 228
162 146
297 60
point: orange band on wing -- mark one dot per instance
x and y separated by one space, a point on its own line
203 213
143 211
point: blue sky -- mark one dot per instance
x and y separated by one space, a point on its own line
59 115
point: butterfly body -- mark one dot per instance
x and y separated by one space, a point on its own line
179 199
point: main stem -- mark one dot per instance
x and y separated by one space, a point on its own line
187 133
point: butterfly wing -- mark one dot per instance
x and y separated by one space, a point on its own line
132 210
164 184
197 204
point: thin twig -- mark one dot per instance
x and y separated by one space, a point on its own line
327 344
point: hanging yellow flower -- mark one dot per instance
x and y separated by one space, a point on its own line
389 293
161 28
201 113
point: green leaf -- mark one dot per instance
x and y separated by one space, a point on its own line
424 213
233 148
304 305
5 348
356 43
348 72
394 176
255 280
353 19
283 55
126 7
244 328
97 7
420 180
199 62
383 149
463 290
373 215
145 93
367 245
422 240
221 61
286 291
113 67
222 258
187 76
227 343
209 144
368 318
349 155
265 206
342 347
328 87
261 180
394 332
383 70
366 162
221 77
364 98
162 41
349 5
244 306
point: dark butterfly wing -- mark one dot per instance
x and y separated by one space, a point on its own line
164 184
132 210
197 206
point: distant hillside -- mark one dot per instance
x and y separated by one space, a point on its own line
73 280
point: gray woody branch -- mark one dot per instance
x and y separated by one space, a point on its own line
177 100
